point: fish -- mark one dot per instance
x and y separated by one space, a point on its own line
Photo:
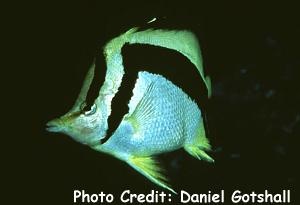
161 117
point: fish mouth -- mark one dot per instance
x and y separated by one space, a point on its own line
54 126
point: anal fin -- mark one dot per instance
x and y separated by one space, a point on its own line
150 168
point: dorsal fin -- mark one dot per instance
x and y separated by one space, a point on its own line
184 42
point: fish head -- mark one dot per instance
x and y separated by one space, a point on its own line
85 124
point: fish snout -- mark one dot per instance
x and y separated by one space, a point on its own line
55 125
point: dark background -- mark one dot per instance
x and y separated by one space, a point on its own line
251 52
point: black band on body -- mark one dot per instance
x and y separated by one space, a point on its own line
171 64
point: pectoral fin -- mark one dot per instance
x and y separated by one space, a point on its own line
150 168
144 110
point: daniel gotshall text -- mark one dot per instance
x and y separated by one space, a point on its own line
184 197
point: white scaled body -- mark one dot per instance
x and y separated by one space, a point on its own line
161 118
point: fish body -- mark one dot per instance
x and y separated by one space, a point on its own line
161 117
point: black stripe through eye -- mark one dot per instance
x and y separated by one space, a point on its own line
99 77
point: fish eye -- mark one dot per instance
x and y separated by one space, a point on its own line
91 111
83 106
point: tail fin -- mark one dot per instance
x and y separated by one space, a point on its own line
185 42
198 145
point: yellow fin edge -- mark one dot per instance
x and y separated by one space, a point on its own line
199 145
196 152
150 168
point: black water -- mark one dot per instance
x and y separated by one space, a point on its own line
250 51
